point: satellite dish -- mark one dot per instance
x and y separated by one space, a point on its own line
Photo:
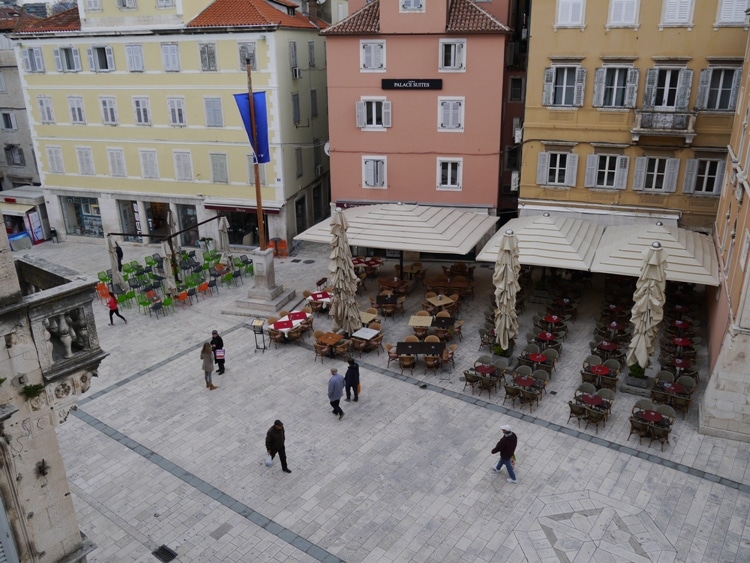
327 148
321 2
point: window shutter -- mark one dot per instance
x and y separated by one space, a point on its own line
26 60
76 59
704 80
219 169
719 185
639 178
621 174
631 87
542 167
736 81
684 85
361 114
599 77
460 55
90 54
670 178
386 114
730 9
571 170
58 60
549 87
649 93
110 58
293 54
580 89
38 59
592 163
691 175
379 58
369 172
380 167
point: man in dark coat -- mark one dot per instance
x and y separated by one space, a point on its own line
118 252
507 448
217 343
352 380
275 444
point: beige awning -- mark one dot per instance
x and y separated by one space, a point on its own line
17 209
691 256
543 240
411 228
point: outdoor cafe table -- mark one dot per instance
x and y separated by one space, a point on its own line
552 320
680 364
330 338
389 299
681 344
591 400
607 347
599 369
545 338
393 283
439 300
649 416
420 320
366 317
366 333
674 388
290 321
443 322
537 358
525 381
411 270
321 296
484 369
681 325
614 327
614 310
425 348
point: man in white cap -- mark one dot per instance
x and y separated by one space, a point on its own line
507 447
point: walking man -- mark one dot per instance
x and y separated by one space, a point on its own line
352 380
335 391
507 448
275 444
114 309
217 345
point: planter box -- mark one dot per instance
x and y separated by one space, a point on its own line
636 386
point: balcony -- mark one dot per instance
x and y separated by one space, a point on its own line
664 124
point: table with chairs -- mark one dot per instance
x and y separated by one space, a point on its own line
651 421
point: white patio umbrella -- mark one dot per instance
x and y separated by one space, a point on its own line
648 307
506 284
117 277
224 241
169 282
344 307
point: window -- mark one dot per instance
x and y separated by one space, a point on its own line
372 55
75 103
170 57
704 176
33 61
656 174
126 4
149 164
93 5
247 53
14 155
134 56
296 115
516 90
677 13
450 114
85 161
564 86
45 109
615 87
732 12
412 5
623 13
67 59
667 89
298 161
8 120
718 89
556 169
219 173
570 13
251 171
164 3
374 172
109 110
142 107
449 174
214 116
311 54
176 108
313 103
2 82
208 56
55 160
101 59
293 54
452 53
183 165
116 158
606 171
373 114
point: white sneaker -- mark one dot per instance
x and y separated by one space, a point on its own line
495 469
512 480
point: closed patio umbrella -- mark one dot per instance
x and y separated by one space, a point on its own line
169 281
117 277
344 307
648 307
506 284
224 241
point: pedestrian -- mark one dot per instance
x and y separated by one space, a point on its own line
352 380
118 252
507 448
335 391
275 444
217 345
208 364
114 309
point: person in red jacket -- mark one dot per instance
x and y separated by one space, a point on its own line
114 310
507 448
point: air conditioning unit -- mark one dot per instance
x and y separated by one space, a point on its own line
515 180
518 135
296 72
318 169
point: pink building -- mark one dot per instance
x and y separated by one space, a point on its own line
415 100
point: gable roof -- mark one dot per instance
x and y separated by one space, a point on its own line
235 13
364 21
68 20
12 18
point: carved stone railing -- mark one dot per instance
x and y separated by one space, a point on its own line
664 124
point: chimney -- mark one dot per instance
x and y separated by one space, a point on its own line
312 9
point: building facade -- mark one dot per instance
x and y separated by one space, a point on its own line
629 107
135 124
416 95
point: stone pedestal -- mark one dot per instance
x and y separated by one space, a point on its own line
266 298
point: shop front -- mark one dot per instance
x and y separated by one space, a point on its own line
82 216
243 223
130 220
25 214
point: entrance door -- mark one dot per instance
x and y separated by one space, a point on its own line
300 211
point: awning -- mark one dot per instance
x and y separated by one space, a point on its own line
239 209
543 240
411 228
691 256
17 209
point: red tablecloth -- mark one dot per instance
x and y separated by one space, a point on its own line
297 316
681 363
608 346
278 325
552 319
538 358
682 341
318 295
675 388
525 381
681 324
485 369
614 308
546 336
599 369
591 400
650 416
614 325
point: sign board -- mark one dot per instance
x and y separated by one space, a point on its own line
412 83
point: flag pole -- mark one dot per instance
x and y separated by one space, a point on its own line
256 165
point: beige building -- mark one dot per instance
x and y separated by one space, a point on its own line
629 107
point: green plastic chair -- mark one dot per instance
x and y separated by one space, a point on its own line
130 297
143 302
150 261
228 278
127 269
168 302
122 299
103 277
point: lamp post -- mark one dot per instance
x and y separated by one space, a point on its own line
256 169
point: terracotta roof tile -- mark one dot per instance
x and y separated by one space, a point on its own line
64 21
361 22
251 13
464 16
12 18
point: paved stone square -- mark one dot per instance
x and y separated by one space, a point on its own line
154 458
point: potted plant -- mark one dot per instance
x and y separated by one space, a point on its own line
32 391
637 376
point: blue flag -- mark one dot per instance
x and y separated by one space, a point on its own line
262 153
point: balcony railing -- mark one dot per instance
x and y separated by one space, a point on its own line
664 124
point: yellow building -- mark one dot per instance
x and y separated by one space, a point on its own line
629 107
133 116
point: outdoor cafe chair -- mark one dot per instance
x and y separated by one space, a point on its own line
687 382
483 360
595 417
457 330
407 362
588 377
420 331
682 404
471 379
531 348
375 343
608 382
577 411
296 334
585 388
143 302
541 377
642 405
522 371
530 395
342 348
667 412
639 427
552 355
613 365
487 384
664 376
660 434
486 339
433 363
511 392
276 336
392 355
184 298
659 397
156 309
359 345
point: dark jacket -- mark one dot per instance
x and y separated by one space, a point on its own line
506 446
275 439
352 375
217 343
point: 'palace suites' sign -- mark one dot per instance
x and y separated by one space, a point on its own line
412 83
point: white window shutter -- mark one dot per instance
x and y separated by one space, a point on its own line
548 95
90 55
386 114
38 59
293 54
26 60
380 166
580 89
631 87
76 59
719 185
621 173
592 164
58 60
361 114
599 77
571 170
460 55
736 81
684 85
369 172
542 168
110 58
691 175
639 177
649 93
704 81
670 178
379 55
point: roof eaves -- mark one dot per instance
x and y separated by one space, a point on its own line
366 20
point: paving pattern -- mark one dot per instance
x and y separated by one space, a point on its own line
154 458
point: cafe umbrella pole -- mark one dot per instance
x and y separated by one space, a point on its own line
256 169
